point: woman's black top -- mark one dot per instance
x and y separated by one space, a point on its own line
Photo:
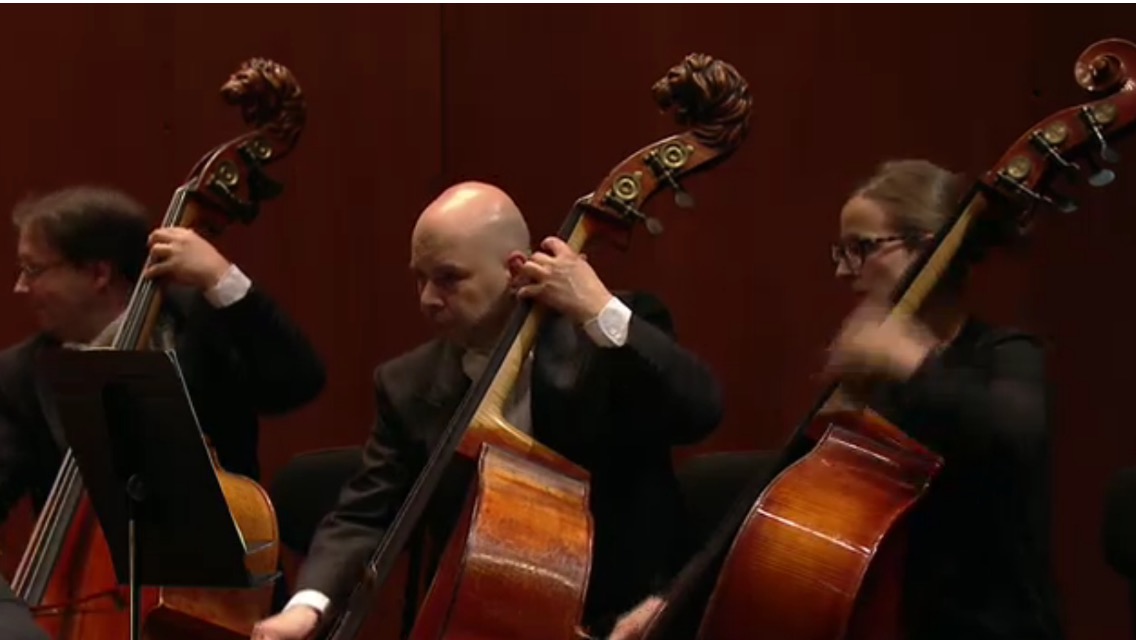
979 565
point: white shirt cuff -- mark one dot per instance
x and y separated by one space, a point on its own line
229 289
609 328
310 598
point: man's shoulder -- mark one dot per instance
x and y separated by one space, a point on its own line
17 366
18 357
414 369
987 336
415 358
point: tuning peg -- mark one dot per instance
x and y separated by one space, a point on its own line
1063 204
263 187
682 197
654 227
1107 153
1101 176
1057 201
1042 144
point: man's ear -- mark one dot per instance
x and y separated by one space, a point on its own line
513 263
102 273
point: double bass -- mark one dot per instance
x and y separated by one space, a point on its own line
66 573
817 555
517 564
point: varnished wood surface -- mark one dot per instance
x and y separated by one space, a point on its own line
524 571
797 568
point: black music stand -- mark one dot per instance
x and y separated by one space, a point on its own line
134 435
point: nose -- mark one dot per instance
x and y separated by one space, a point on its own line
842 270
428 296
21 286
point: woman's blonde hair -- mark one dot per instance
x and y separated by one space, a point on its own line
918 196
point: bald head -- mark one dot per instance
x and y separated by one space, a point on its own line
478 215
465 251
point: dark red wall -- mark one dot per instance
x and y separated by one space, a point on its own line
544 101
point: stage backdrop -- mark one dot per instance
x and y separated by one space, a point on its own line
544 101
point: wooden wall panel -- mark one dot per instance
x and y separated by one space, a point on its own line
544 100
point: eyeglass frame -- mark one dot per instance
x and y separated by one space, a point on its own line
862 249
29 273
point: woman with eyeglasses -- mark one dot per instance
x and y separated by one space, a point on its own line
979 556
978 564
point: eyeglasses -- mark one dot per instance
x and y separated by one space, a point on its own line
29 272
853 252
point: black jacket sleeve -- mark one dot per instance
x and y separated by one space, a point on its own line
282 369
994 405
367 505
16 458
677 398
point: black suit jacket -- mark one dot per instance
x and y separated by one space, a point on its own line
239 362
615 411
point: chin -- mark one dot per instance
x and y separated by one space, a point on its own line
864 293
452 334
43 321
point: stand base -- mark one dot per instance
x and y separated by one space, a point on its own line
136 495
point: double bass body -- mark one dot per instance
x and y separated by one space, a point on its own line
82 600
509 572
819 549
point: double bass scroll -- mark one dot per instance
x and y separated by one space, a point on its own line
505 571
66 574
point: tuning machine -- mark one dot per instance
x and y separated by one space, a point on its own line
1055 134
1101 176
1094 118
255 154
623 193
665 161
1046 142
1013 175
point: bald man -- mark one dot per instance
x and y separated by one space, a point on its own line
606 385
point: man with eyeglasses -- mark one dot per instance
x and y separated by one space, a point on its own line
81 251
